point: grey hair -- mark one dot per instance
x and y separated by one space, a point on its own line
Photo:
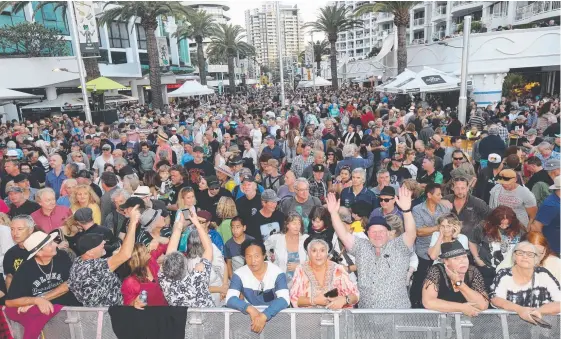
525 243
396 224
349 150
318 241
382 171
39 193
175 266
544 144
132 181
120 161
194 245
29 222
118 193
301 181
362 172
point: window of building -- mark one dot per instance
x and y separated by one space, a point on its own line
141 37
118 35
119 57
7 18
51 18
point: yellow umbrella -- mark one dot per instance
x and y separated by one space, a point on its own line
103 84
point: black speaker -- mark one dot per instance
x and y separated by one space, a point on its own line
108 116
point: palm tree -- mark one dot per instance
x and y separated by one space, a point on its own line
320 48
227 40
148 13
90 64
201 25
400 11
333 20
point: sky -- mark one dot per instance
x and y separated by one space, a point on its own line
309 11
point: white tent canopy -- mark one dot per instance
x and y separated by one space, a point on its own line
8 94
189 89
429 80
64 102
320 82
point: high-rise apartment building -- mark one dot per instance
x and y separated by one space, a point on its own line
433 20
261 27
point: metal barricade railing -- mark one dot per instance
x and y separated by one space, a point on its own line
215 323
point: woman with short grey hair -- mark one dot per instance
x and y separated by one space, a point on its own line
184 284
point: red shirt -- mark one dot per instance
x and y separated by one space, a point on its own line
48 223
132 287
366 118
293 122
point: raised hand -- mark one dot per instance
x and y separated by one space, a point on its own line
333 203
403 200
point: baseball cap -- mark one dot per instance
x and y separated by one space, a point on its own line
388 190
83 215
318 168
20 177
133 201
205 215
377 221
270 137
552 164
198 149
212 182
494 159
269 195
248 178
532 131
88 241
506 176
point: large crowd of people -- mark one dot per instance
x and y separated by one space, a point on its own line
332 199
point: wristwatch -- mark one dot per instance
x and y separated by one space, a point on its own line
347 300
458 283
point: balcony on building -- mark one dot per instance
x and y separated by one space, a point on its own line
439 12
384 17
418 19
462 8
537 11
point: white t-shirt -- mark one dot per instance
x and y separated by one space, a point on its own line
461 238
99 164
518 199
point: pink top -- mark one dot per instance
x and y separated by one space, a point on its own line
166 148
304 283
48 223
3 207
132 286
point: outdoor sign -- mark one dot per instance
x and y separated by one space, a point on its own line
405 82
163 51
87 27
433 80
413 90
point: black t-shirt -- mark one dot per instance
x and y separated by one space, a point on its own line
214 146
248 208
540 176
32 281
260 227
454 128
174 194
397 176
26 208
196 171
208 203
13 259
96 189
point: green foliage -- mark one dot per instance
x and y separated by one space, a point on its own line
333 20
33 40
400 9
227 41
198 25
512 81
475 27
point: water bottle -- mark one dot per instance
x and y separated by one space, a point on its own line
143 296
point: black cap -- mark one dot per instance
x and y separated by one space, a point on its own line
319 168
377 221
88 241
20 177
388 190
198 149
248 178
361 208
212 181
133 201
451 249
83 215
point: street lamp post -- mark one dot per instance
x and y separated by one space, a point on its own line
78 53
279 47
313 60
462 103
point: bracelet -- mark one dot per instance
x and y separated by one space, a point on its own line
406 211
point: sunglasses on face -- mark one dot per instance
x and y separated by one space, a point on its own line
458 159
386 199
500 177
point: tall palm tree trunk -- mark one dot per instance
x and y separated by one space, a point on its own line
154 63
231 75
201 60
92 68
318 68
333 52
401 49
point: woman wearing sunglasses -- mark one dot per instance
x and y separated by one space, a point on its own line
526 288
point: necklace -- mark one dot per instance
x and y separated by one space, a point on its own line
40 269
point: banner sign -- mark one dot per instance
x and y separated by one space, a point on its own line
433 80
87 27
163 51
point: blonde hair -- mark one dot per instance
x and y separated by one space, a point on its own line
182 193
70 227
4 219
94 199
414 187
138 262
226 208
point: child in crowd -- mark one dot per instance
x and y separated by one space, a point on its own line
232 247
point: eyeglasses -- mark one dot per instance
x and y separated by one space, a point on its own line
386 199
526 254
459 159
261 288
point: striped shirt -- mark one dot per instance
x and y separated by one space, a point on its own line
272 291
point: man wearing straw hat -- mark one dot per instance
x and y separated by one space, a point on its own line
163 146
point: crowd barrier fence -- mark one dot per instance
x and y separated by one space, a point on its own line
214 323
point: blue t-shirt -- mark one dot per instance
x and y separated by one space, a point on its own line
549 216
232 250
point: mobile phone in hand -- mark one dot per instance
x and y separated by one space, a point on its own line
332 293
